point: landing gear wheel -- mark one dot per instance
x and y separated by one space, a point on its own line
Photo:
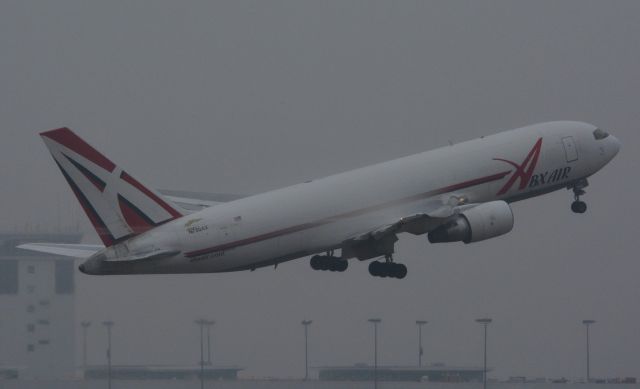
578 190
579 206
375 268
341 265
387 269
328 262
316 262
400 271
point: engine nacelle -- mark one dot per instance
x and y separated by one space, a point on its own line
481 222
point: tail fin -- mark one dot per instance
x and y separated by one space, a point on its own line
118 205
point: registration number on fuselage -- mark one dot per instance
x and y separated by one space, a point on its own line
194 229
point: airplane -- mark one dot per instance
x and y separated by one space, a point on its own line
457 193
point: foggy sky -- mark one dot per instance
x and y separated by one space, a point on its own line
244 97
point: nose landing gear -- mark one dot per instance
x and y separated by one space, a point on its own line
579 206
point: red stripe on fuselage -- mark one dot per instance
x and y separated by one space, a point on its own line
346 215
70 140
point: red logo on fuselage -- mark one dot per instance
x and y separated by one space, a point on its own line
524 171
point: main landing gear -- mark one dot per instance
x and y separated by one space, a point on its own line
579 206
388 268
328 262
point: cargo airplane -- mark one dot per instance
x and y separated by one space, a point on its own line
457 193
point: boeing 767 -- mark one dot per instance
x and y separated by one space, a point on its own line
458 193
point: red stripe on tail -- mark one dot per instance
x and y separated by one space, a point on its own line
95 180
67 138
136 219
127 178
96 221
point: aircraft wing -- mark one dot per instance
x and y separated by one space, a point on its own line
418 223
195 201
64 249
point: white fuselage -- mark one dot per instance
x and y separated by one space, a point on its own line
319 215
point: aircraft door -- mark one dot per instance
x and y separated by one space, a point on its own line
570 151
226 232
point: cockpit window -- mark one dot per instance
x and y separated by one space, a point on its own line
600 134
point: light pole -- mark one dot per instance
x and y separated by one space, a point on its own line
201 323
485 322
108 324
85 325
587 323
420 323
306 324
209 324
375 351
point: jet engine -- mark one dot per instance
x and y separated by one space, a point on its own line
481 222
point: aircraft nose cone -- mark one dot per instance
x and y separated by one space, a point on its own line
615 145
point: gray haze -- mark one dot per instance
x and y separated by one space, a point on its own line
243 97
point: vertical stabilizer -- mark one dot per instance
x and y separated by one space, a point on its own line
118 205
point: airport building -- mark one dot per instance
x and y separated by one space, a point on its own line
432 373
163 372
37 298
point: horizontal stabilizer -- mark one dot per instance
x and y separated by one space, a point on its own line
155 254
67 250
195 201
